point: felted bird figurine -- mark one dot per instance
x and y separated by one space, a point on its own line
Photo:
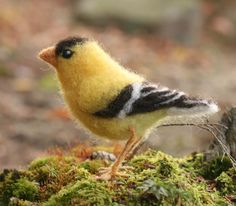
113 102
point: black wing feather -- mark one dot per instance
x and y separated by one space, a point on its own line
151 97
117 104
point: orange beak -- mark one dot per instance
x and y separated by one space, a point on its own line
48 55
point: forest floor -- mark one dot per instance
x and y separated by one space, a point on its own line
32 114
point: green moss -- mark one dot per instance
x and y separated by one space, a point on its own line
92 165
7 180
18 202
83 192
168 174
53 173
154 179
24 189
225 183
211 170
14 184
207 169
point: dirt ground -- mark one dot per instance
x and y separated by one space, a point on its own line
32 114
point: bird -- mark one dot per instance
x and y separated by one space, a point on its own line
112 101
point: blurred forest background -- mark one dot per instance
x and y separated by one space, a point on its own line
188 45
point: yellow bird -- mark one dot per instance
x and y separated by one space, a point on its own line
113 102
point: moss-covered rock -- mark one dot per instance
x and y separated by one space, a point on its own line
154 179
16 184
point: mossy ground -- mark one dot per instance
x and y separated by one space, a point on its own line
154 179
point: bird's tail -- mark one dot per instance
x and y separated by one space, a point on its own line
193 106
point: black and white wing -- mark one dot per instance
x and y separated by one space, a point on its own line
142 97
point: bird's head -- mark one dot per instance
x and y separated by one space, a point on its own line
76 58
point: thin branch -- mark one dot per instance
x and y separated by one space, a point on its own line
224 147
192 124
210 127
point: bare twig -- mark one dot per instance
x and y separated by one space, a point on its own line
211 127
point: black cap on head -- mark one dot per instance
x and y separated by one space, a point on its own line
67 43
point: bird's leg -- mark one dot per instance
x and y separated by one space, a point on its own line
115 167
136 146
129 145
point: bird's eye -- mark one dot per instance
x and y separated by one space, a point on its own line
67 53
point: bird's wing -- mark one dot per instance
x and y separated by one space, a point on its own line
145 97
